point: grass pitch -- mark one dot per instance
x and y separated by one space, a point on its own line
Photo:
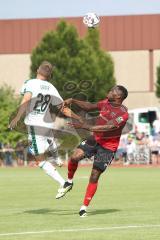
126 206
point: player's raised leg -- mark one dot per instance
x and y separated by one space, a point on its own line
72 167
51 171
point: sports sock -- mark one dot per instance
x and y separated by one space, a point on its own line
72 167
91 189
83 208
50 170
70 180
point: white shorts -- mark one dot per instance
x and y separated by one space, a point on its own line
41 140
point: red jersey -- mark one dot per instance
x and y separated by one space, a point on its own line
118 116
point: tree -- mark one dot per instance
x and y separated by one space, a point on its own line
158 82
80 65
7 107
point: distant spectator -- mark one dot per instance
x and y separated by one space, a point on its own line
1 154
8 150
20 153
131 149
156 126
155 148
146 140
121 153
140 138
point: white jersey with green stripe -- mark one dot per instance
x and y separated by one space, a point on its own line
43 94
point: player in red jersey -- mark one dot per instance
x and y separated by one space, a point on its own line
102 144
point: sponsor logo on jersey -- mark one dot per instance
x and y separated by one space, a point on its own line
119 119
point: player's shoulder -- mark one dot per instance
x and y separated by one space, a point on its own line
52 87
29 81
27 86
26 81
104 101
44 85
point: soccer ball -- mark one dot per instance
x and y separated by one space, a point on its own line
91 20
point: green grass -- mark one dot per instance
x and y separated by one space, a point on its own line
125 197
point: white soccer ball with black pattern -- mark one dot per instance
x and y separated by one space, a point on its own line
91 20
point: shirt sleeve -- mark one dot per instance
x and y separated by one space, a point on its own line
26 87
102 103
56 98
121 120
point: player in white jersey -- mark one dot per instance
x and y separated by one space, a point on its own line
38 96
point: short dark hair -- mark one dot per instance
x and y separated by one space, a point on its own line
123 91
45 69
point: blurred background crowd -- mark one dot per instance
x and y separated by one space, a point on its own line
13 156
134 148
139 148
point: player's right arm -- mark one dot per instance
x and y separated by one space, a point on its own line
21 110
82 104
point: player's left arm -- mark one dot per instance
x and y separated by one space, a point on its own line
114 124
110 126
21 110
103 128
97 128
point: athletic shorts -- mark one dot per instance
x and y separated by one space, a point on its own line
102 156
41 140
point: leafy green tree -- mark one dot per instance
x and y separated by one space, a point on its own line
80 64
158 82
7 107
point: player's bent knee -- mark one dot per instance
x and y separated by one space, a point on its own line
77 155
95 175
93 180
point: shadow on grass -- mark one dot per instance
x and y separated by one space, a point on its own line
69 212
103 211
50 211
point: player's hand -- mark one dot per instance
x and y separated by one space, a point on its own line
79 125
13 123
68 101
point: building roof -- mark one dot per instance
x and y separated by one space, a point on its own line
117 33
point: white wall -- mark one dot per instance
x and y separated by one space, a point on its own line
132 71
14 70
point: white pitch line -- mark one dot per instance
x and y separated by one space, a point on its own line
80 229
